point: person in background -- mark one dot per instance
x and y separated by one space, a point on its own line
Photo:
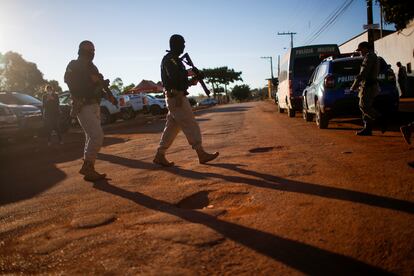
402 79
51 114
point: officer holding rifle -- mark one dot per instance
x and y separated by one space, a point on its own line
87 87
180 114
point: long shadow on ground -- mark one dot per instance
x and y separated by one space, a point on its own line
300 256
29 170
268 181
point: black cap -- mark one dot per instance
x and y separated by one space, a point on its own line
363 45
175 40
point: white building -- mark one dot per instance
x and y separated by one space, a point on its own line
393 47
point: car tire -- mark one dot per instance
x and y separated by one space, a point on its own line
155 109
291 112
320 118
127 114
279 109
308 117
105 116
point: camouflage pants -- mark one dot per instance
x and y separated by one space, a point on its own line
366 103
180 117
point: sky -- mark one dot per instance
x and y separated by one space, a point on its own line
131 37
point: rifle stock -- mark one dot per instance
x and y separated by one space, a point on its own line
186 58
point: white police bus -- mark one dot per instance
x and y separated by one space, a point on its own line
296 68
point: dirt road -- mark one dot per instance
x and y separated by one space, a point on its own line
282 198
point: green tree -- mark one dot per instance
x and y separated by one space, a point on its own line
398 12
55 85
221 76
17 74
241 92
127 88
117 84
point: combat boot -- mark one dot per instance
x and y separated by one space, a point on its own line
89 172
161 160
205 157
366 130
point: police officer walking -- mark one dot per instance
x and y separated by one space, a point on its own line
86 88
367 82
180 114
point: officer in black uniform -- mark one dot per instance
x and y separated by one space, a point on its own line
86 86
180 113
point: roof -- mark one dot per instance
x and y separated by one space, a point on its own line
147 86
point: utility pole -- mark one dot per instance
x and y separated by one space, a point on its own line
370 22
382 17
291 37
270 81
271 65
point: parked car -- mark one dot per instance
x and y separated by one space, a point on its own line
109 112
16 100
296 67
133 103
328 93
207 102
154 105
19 120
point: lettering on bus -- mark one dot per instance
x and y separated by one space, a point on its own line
326 50
304 51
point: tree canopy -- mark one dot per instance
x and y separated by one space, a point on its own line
241 92
398 12
128 87
221 76
117 84
17 74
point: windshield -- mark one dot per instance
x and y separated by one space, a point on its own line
347 68
303 67
20 99
152 97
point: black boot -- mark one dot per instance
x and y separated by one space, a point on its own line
366 131
383 124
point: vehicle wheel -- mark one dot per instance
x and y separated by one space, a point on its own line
127 114
308 117
279 109
155 109
291 112
112 119
321 118
105 116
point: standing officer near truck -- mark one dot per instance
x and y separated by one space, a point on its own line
86 86
367 82
180 114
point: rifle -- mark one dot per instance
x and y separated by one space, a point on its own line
198 75
107 93
102 90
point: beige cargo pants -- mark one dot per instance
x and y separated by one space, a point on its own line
180 117
89 118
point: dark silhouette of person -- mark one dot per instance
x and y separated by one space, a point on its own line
402 79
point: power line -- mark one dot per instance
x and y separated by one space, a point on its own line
327 23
